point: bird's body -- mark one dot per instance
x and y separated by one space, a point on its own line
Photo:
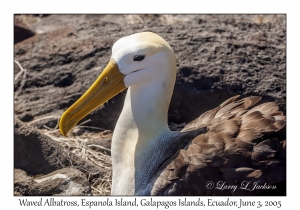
225 144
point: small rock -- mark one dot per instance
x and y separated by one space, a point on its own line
67 181
21 31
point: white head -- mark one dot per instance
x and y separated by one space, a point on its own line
143 57
139 60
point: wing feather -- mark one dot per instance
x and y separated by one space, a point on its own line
234 150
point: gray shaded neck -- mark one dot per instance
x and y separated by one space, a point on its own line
149 161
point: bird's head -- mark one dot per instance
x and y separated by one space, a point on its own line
136 60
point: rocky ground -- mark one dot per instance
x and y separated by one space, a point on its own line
57 57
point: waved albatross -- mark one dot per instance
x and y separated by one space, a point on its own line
224 146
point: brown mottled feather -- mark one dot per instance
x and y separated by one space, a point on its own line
234 151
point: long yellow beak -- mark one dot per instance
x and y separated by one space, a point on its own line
108 84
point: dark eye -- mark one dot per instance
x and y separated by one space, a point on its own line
138 57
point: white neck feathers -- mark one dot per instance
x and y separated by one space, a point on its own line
142 121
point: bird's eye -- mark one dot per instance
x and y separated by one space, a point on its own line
105 80
138 57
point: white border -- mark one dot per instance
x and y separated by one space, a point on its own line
141 6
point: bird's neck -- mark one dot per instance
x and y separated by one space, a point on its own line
138 135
